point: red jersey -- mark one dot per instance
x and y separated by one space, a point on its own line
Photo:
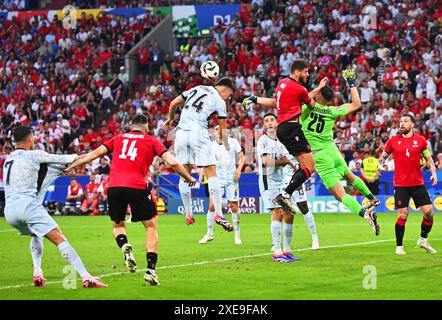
290 96
92 190
407 153
74 191
133 155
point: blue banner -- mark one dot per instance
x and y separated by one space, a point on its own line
207 16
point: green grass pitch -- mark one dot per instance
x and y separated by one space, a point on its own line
223 270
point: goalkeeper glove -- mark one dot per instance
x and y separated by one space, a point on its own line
245 103
350 76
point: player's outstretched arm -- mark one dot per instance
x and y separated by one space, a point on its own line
355 101
430 161
91 156
177 102
315 91
266 102
178 168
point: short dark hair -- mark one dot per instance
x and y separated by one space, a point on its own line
406 114
270 114
327 92
226 82
298 65
139 120
21 133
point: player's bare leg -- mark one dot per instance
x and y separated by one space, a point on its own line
236 220
120 236
36 247
70 255
400 229
350 202
287 230
359 185
215 195
310 221
186 196
210 223
151 250
426 225
306 169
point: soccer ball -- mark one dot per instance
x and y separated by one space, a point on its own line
209 70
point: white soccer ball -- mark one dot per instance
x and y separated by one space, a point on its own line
209 70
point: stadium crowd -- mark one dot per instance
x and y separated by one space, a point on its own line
72 86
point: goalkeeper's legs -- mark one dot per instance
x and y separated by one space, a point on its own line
362 188
354 206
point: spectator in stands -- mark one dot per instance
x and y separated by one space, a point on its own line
74 198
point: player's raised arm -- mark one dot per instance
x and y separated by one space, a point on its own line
350 77
91 156
177 102
178 168
315 91
266 102
426 153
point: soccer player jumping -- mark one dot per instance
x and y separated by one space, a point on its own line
290 94
407 149
317 125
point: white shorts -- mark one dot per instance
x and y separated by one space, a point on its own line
230 190
299 195
29 216
268 196
194 147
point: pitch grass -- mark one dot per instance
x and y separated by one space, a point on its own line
189 270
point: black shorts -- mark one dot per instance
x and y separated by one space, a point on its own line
141 204
291 136
419 194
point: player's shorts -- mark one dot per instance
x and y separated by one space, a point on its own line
268 196
230 190
419 194
194 147
299 195
291 136
330 165
140 200
28 216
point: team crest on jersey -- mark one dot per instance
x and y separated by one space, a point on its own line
283 85
399 142
339 108
415 144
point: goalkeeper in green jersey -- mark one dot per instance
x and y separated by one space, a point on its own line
317 125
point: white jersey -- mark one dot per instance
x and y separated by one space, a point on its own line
270 177
25 171
226 160
201 103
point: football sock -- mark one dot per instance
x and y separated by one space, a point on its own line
210 222
400 231
287 229
426 227
152 258
362 188
215 195
121 240
298 178
235 220
186 197
310 221
353 205
36 247
70 255
275 229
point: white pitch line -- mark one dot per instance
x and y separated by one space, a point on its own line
192 264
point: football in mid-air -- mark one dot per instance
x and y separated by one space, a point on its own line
209 70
